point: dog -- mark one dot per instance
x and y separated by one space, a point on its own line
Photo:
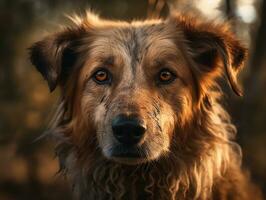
140 113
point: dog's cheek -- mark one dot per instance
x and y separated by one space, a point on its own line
87 107
182 107
99 114
100 122
167 121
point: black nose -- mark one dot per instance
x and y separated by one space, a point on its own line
128 130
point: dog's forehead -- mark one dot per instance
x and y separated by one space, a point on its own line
135 40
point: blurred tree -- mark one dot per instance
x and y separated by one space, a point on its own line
252 113
27 169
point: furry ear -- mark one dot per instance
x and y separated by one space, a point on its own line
211 44
55 55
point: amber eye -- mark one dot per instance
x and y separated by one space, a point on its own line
102 76
166 76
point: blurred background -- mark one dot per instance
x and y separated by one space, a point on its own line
27 168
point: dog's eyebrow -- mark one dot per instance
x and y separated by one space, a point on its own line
167 59
161 60
108 60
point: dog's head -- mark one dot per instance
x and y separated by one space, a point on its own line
133 86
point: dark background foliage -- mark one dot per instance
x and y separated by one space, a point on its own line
27 168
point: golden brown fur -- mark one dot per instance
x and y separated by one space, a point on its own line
188 151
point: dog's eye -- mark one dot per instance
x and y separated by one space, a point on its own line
102 76
166 76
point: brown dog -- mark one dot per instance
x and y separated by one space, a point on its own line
139 116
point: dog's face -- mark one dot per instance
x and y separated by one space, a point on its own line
134 85
127 84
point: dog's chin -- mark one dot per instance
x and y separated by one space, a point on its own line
129 155
129 160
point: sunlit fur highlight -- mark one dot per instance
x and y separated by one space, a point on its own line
203 161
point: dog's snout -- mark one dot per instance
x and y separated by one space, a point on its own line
128 130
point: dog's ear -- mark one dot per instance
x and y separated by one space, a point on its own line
211 44
55 55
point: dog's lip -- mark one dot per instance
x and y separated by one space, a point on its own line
129 155
126 155
122 151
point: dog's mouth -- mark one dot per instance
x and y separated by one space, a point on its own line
123 151
128 154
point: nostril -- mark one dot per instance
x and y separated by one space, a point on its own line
117 132
139 131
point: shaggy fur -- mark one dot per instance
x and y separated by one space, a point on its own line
189 150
